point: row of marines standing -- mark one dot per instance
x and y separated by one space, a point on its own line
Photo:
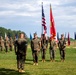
6 44
38 45
42 45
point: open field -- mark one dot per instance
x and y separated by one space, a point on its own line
8 64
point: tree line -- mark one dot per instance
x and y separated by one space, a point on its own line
9 32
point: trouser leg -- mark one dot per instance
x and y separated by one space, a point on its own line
18 61
43 53
25 54
10 48
6 48
15 48
50 54
36 56
21 62
63 54
53 54
18 64
1 48
22 65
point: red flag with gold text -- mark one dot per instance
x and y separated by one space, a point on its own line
52 25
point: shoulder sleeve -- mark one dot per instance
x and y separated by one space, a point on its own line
25 42
64 41
39 41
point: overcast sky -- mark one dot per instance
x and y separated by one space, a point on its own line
25 15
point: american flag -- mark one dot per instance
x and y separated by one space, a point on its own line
44 28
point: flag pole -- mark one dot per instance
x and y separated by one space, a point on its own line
41 18
50 23
74 38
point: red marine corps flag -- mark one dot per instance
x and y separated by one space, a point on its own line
68 39
44 28
52 25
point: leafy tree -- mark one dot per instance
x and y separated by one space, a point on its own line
9 32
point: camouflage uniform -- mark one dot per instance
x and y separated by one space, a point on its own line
20 51
52 49
35 45
31 48
15 45
43 48
11 43
1 44
6 44
62 46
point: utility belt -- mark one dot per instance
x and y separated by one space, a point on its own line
37 49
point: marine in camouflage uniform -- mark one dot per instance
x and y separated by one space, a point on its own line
31 47
62 46
1 44
11 43
26 46
15 45
20 51
43 47
52 49
35 45
6 44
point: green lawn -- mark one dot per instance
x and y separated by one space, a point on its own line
8 64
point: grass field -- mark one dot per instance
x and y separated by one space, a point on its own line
8 64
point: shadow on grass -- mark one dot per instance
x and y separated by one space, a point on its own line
4 71
29 59
57 60
51 61
28 63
